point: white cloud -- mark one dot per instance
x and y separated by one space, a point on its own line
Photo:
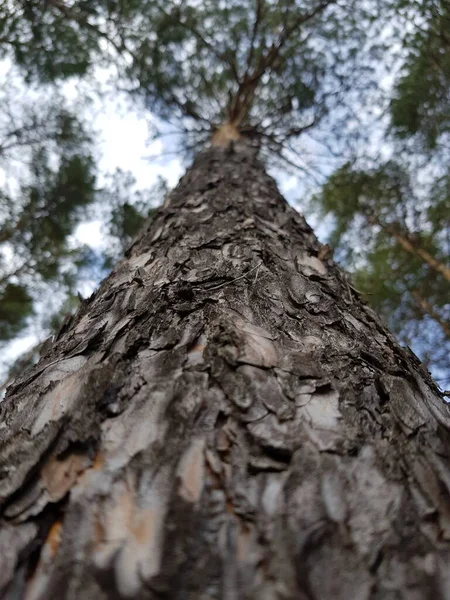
21 345
124 145
89 233
12 352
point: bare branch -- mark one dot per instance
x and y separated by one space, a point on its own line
229 60
256 24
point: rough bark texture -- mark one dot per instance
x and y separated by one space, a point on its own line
225 418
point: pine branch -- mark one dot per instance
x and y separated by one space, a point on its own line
247 88
82 19
428 309
410 246
256 24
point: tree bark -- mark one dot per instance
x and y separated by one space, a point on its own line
225 418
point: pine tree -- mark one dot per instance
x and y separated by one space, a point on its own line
45 154
225 417
392 232
49 185
390 218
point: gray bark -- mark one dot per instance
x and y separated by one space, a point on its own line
225 418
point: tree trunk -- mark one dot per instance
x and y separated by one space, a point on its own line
225 418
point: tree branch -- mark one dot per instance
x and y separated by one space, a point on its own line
427 308
247 87
407 244
82 19
223 57
256 24
268 60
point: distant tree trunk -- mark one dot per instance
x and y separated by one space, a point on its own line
404 239
428 309
225 418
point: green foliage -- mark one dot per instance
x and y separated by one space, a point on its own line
48 40
272 68
40 211
16 305
421 102
438 210
68 307
269 68
128 211
126 221
381 220
51 209
351 194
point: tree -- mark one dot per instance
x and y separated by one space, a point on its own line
420 105
390 217
268 50
225 417
45 154
401 257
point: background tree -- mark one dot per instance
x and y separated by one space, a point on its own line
50 185
391 218
126 212
49 181
394 234
420 104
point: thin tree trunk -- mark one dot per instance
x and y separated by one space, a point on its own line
406 243
428 309
225 418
